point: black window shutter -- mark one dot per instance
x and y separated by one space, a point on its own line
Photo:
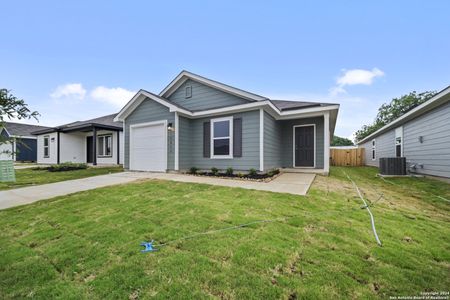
237 137
206 139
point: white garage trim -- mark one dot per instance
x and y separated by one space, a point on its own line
161 122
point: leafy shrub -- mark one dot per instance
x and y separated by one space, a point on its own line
252 172
240 175
214 171
193 170
67 166
273 172
229 171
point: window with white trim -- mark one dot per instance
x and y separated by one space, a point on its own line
399 142
222 138
46 146
104 147
374 154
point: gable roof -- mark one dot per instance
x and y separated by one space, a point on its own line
185 75
18 129
440 98
106 122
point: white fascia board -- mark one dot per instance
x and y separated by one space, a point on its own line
6 130
24 137
272 109
138 98
413 112
184 75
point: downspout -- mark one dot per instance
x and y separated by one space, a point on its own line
261 140
58 147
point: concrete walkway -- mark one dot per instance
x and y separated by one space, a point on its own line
292 183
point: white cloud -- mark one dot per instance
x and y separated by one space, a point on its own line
355 77
70 90
115 96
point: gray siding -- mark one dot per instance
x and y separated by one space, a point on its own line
150 111
191 144
287 140
384 147
272 142
434 152
203 97
185 143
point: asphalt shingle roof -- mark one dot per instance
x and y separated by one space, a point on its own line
107 121
19 129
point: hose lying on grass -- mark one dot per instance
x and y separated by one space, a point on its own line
366 207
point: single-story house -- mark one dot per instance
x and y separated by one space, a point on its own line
422 136
198 122
95 141
21 144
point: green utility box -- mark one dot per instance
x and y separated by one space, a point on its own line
7 171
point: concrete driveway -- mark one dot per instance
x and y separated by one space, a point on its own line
291 183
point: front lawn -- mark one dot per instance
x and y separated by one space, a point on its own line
27 177
86 245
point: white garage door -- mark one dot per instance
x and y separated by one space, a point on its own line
148 147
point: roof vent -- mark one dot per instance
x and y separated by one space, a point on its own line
188 91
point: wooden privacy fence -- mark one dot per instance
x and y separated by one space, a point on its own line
347 157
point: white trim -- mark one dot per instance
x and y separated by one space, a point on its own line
373 149
7 132
293 145
177 136
185 75
139 97
274 111
103 136
163 122
47 136
398 130
261 140
416 111
212 138
24 137
326 141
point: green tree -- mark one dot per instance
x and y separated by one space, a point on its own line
13 107
388 112
341 141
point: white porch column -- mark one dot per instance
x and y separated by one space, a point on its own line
177 131
326 137
261 139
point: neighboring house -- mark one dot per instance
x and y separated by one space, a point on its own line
22 145
422 135
198 122
95 141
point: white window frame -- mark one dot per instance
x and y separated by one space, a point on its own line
103 136
48 146
374 149
398 134
230 137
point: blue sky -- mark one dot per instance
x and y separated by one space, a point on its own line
82 59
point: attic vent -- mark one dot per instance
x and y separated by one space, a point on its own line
188 91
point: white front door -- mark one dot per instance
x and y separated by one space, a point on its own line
148 147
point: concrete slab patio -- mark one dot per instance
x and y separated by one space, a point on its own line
291 183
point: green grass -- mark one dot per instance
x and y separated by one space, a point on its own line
86 245
27 177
